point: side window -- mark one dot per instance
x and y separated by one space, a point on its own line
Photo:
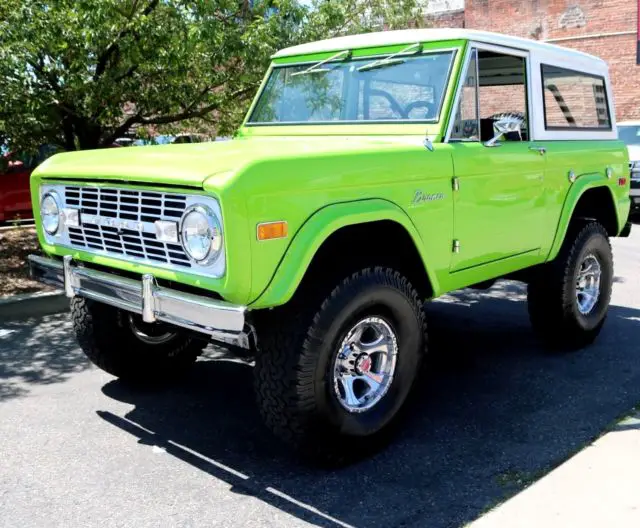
574 100
495 88
466 127
502 93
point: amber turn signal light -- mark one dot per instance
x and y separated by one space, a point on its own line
271 230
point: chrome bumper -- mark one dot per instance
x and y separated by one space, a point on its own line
218 319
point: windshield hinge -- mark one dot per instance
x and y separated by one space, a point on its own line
428 144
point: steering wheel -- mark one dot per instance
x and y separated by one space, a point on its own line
395 106
431 108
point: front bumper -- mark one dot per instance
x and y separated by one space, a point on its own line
218 319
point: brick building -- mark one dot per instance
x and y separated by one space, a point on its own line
605 28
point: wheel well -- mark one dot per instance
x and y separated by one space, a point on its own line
597 204
354 247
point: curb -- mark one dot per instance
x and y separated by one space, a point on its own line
33 305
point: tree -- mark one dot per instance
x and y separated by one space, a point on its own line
81 73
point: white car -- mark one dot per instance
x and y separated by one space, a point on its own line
629 132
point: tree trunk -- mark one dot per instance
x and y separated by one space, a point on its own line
67 130
88 134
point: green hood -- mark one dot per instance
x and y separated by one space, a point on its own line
191 164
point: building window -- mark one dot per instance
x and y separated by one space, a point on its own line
574 100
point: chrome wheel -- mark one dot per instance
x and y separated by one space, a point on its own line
588 284
152 334
365 365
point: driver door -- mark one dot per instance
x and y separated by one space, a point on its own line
499 201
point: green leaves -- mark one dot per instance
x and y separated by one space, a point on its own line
80 73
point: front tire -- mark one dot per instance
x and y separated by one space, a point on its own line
569 298
334 371
122 345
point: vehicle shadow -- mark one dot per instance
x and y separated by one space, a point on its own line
494 412
37 351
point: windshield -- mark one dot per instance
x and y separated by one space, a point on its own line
408 88
629 134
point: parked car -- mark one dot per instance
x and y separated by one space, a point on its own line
372 172
629 132
15 171
190 138
123 142
169 139
156 140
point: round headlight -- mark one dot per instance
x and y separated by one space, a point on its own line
50 213
201 234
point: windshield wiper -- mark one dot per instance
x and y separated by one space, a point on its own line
391 60
315 68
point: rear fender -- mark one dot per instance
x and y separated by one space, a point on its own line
576 191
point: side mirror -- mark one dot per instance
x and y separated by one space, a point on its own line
502 127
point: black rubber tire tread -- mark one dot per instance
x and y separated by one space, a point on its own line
111 345
286 381
551 293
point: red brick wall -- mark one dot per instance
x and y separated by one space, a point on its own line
557 19
447 20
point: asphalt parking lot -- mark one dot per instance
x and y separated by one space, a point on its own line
495 413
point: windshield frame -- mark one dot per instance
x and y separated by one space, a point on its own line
455 51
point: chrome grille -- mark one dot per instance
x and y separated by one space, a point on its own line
131 205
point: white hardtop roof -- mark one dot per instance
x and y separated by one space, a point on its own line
411 36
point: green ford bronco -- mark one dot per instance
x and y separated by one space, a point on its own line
372 172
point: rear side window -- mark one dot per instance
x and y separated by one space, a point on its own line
574 100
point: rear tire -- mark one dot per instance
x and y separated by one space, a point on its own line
120 344
309 353
568 299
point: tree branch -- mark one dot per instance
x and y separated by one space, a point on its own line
50 80
197 100
349 20
191 114
121 129
182 116
127 74
114 47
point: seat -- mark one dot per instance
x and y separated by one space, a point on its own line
486 129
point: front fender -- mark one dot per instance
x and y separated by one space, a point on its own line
580 186
316 230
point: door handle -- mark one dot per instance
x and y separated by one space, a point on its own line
541 150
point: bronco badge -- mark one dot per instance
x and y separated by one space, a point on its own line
421 197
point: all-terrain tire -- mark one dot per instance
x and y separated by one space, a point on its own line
106 337
552 301
298 345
